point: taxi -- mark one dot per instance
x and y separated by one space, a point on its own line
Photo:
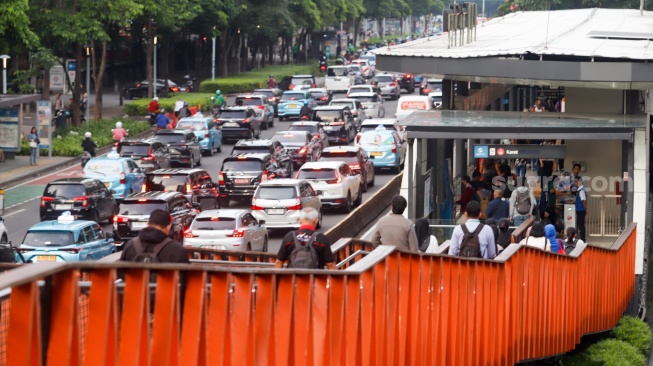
384 147
291 103
208 134
119 174
66 240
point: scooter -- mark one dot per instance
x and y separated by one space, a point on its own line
86 156
323 66
189 83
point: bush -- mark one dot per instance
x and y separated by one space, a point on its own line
248 81
67 141
139 107
613 352
634 331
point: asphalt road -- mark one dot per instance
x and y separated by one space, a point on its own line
21 217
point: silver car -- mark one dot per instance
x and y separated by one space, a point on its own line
356 108
372 103
388 84
228 229
279 202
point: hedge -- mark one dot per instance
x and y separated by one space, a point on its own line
613 352
634 331
139 107
67 141
248 81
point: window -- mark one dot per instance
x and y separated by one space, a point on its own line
99 234
276 193
129 150
86 235
344 170
249 220
213 223
162 182
48 238
64 190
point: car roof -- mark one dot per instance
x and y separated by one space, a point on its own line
260 156
363 94
341 148
267 89
296 91
59 226
196 118
105 158
158 195
172 132
282 182
377 132
302 76
72 180
176 171
330 107
296 132
349 100
224 212
264 142
251 95
385 74
137 141
379 121
321 90
236 108
322 164
305 123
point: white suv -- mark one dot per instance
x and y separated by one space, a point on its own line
279 202
340 187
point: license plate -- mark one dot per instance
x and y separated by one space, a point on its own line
376 153
46 258
241 181
292 105
337 79
63 207
139 225
231 124
276 211
107 184
328 128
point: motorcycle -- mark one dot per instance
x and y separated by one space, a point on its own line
152 119
189 83
86 156
323 66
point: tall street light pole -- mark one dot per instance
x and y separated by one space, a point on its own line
4 72
154 78
88 81
213 61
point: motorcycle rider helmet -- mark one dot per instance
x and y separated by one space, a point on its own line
118 124
185 104
162 110
156 99
306 102
186 77
218 92
88 135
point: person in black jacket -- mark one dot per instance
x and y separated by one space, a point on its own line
158 227
88 144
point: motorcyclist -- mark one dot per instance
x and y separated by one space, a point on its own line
306 111
189 83
185 111
89 145
218 99
119 133
272 82
179 104
340 60
154 106
162 121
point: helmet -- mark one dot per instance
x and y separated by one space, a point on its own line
186 77
218 92
118 124
185 104
156 98
87 135
306 102
162 110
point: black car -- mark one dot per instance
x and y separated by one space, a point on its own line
279 154
135 210
184 147
241 174
407 82
140 89
338 122
85 198
149 154
196 184
357 160
238 123
274 95
321 95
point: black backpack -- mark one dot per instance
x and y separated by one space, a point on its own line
303 255
148 257
470 247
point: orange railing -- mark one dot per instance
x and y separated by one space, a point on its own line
388 308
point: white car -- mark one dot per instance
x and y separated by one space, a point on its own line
356 108
4 236
365 67
338 79
388 123
340 186
227 229
436 98
279 202
372 102
363 89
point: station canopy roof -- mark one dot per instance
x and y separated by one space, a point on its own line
518 125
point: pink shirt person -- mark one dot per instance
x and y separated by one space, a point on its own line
119 133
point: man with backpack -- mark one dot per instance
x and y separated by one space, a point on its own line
522 203
153 244
306 248
473 239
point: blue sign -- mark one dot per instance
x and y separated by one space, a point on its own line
72 65
480 151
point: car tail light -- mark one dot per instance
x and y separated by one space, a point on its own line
261 107
394 148
393 84
206 134
255 207
427 90
264 176
323 98
291 87
120 219
46 199
143 188
188 188
84 200
336 123
221 179
358 138
313 85
335 181
122 178
303 150
188 233
238 233
174 89
246 120
297 206
355 113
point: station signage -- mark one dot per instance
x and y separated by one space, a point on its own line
520 151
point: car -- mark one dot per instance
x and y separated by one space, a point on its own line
300 145
384 148
321 95
366 68
206 131
140 90
262 107
272 147
355 107
407 82
339 185
302 82
120 175
227 229
280 201
315 128
430 85
134 212
357 159
370 58
4 235
196 185
292 102
149 154
241 174
238 123
387 123
338 122
358 74
372 105
273 94
410 103
66 240
363 89
83 198
184 146
338 79
436 98
388 85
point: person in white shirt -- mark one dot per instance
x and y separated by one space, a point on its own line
179 104
518 214
485 236
536 237
572 240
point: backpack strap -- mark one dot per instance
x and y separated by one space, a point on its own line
478 229
312 238
294 236
464 227
138 246
159 247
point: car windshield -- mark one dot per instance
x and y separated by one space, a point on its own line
159 182
249 149
383 79
316 94
346 156
376 139
311 129
354 69
213 223
191 125
317 174
48 238
293 96
327 116
129 150
373 127
171 138
141 208
65 190
437 98
355 89
250 101
103 168
351 105
364 99
337 71
289 137
267 93
242 166
301 81
276 193
241 114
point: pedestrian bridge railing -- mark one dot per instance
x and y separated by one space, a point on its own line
387 308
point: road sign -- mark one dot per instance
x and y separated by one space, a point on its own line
520 151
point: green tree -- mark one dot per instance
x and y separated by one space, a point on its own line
15 27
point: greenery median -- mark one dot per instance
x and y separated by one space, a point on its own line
254 79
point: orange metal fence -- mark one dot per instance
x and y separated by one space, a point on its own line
388 308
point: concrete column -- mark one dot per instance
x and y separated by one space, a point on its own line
463 88
418 209
447 95
459 158
411 197
511 99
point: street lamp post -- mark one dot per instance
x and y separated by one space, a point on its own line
213 61
88 81
4 72
154 78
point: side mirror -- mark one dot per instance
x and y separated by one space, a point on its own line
200 138
319 193
261 222
113 191
196 205
108 236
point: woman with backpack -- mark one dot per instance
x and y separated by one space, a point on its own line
505 235
572 240
554 244
536 238
426 242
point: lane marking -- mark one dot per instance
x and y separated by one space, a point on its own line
13 213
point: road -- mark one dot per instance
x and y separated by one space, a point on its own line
23 215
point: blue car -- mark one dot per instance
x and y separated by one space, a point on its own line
291 103
208 134
385 148
66 240
121 175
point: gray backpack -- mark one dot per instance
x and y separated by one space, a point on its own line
523 203
304 255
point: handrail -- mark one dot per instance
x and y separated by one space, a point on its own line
390 307
352 257
520 231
